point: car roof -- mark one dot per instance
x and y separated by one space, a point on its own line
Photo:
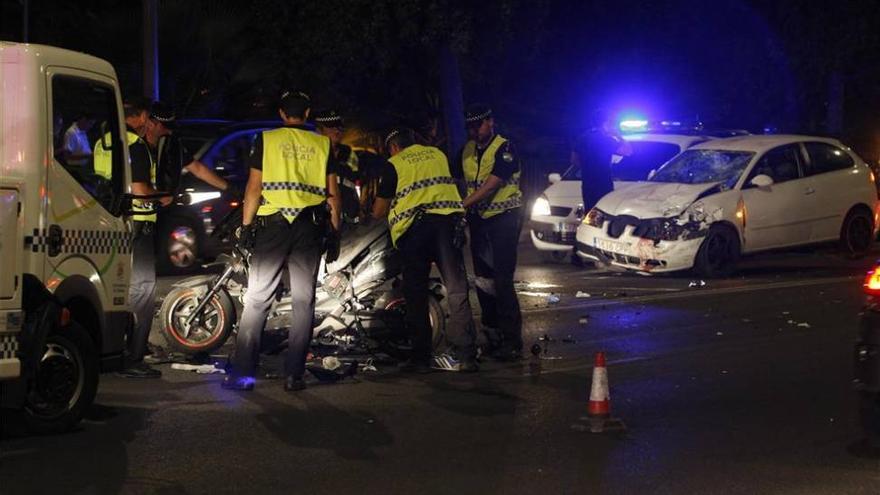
761 143
682 140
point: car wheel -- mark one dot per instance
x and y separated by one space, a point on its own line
65 382
857 233
869 413
179 244
718 254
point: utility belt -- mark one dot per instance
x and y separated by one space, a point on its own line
140 228
317 215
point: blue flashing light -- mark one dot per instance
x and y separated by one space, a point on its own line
633 125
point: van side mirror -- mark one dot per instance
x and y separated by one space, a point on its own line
554 178
761 180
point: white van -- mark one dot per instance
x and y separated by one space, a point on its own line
65 253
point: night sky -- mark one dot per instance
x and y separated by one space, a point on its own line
543 65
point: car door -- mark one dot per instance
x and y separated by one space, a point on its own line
777 215
830 173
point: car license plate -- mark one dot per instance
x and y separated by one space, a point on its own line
611 246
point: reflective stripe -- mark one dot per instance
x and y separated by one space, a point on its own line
294 186
436 205
502 206
290 212
513 180
433 181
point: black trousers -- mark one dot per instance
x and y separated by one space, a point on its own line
493 248
430 241
278 243
142 291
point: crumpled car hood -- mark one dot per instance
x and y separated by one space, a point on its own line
652 199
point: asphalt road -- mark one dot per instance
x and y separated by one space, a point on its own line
738 386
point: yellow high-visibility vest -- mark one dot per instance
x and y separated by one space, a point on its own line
294 171
506 197
423 185
104 157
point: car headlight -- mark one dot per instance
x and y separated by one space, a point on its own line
595 218
541 208
663 229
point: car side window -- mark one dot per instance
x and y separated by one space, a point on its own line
780 164
227 157
826 157
86 140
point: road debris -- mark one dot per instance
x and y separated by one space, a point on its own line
552 299
583 320
582 294
369 366
202 369
804 325
697 283
719 333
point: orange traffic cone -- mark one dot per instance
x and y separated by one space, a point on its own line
600 399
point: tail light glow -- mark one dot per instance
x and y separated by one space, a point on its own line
872 282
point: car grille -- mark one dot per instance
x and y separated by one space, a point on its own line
556 237
560 211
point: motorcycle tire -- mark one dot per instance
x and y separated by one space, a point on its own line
209 332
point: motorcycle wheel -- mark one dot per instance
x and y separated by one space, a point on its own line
207 332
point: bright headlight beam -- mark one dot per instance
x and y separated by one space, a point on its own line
541 207
199 197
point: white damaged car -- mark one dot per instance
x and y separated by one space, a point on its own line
558 212
723 198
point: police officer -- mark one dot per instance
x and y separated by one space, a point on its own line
172 156
425 206
491 172
292 181
142 291
137 112
329 123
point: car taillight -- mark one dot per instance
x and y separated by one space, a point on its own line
872 282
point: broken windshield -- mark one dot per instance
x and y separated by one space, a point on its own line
705 166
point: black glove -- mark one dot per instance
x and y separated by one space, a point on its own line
331 247
247 237
459 236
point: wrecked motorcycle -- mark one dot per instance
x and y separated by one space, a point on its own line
359 306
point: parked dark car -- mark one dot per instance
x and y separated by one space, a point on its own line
867 361
187 234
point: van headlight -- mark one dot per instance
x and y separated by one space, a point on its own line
541 208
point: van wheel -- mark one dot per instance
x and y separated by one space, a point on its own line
718 254
857 233
65 382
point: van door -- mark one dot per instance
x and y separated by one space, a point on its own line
87 242
778 215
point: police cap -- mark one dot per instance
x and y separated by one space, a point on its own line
162 113
477 113
329 118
